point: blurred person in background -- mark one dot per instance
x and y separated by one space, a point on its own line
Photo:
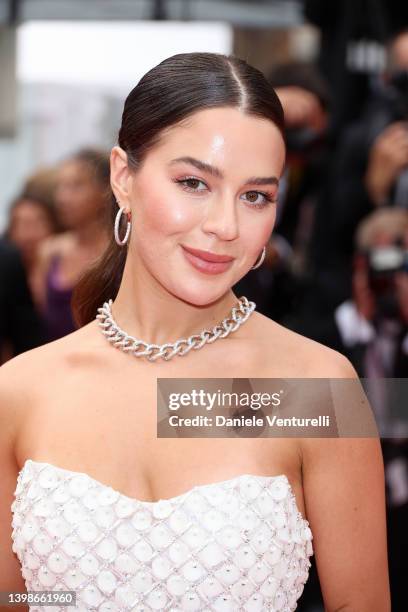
368 170
386 132
81 196
31 221
306 156
20 325
351 49
373 326
305 167
41 185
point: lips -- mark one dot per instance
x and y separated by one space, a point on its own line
205 266
208 256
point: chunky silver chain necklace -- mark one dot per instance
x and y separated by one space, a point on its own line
121 340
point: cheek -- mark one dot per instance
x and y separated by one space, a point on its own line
257 228
168 215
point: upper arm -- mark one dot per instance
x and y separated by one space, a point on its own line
45 252
344 491
10 576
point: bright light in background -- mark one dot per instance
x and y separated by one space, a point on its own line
109 54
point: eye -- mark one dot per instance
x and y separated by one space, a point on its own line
259 199
191 183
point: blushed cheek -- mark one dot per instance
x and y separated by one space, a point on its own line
260 230
167 216
267 230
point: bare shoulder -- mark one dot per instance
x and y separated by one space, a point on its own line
22 376
24 380
300 357
31 382
12 395
292 354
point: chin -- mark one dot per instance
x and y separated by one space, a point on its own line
200 295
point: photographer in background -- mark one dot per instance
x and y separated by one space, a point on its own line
386 177
368 170
351 49
306 159
371 166
373 326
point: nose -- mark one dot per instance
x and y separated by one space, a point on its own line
222 218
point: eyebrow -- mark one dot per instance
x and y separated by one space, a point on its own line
214 171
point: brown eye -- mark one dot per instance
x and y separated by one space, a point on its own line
258 199
191 183
252 196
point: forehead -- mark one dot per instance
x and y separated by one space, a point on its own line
27 207
75 168
228 138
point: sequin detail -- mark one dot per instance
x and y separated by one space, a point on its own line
239 544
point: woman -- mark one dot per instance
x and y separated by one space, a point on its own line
20 326
31 221
123 512
80 197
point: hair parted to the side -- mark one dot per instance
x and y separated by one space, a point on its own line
171 91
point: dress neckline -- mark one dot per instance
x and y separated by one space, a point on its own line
174 498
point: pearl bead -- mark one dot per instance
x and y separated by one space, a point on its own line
46 578
89 564
106 581
107 548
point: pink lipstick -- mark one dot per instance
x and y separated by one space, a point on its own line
206 261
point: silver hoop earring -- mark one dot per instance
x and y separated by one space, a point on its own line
117 223
260 262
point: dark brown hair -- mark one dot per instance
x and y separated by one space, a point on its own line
97 161
174 89
97 164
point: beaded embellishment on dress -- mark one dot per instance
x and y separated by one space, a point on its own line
238 544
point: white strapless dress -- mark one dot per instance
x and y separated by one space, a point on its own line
238 544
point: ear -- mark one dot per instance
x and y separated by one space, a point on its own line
120 176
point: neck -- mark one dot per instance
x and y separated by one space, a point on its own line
146 310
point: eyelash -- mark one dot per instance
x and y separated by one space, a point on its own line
269 199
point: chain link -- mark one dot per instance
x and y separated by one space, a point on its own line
138 348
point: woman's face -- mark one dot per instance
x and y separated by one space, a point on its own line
210 184
29 225
78 196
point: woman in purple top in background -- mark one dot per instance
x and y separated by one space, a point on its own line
80 198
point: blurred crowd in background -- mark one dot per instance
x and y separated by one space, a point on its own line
336 268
